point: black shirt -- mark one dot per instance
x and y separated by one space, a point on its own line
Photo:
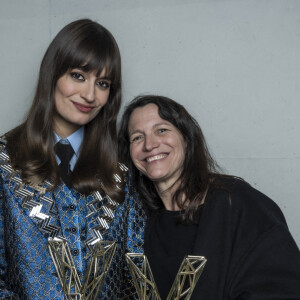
250 252
167 242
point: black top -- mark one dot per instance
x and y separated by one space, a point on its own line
250 252
167 242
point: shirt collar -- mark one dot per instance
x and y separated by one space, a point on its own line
75 139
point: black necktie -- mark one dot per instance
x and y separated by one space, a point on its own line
65 153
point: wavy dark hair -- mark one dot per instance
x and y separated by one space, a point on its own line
199 170
82 43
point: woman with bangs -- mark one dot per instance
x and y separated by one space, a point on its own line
60 178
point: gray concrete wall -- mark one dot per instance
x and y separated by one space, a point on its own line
235 65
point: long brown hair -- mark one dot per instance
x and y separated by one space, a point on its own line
30 145
199 169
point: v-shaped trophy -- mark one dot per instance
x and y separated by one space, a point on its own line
100 261
184 282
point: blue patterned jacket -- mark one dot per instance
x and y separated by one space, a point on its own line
29 215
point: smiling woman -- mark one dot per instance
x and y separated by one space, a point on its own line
60 181
73 92
157 148
79 96
192 209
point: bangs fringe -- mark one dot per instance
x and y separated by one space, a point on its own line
90 57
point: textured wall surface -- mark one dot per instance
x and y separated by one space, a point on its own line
235 65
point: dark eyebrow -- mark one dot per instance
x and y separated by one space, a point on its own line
105 78
134 132
162 123
82 68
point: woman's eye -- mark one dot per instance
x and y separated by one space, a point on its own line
77 76
161 130
104 84
135 139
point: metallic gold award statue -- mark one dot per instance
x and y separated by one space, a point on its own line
100 252
100 261
183 285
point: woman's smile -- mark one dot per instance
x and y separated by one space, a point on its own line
79 97
157 148
83 108
155 157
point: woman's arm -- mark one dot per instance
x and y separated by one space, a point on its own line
270 269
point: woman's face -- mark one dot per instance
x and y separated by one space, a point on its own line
157 147
78 96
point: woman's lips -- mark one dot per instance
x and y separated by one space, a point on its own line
83 108
156 157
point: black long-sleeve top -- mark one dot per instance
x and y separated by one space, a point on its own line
250 252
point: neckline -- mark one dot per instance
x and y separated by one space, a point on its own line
178 212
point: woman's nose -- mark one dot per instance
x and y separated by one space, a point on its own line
88 91
150 143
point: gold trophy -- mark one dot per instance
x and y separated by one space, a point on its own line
100 261
183 285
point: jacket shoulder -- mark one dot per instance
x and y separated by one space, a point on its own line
247 201
3 155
